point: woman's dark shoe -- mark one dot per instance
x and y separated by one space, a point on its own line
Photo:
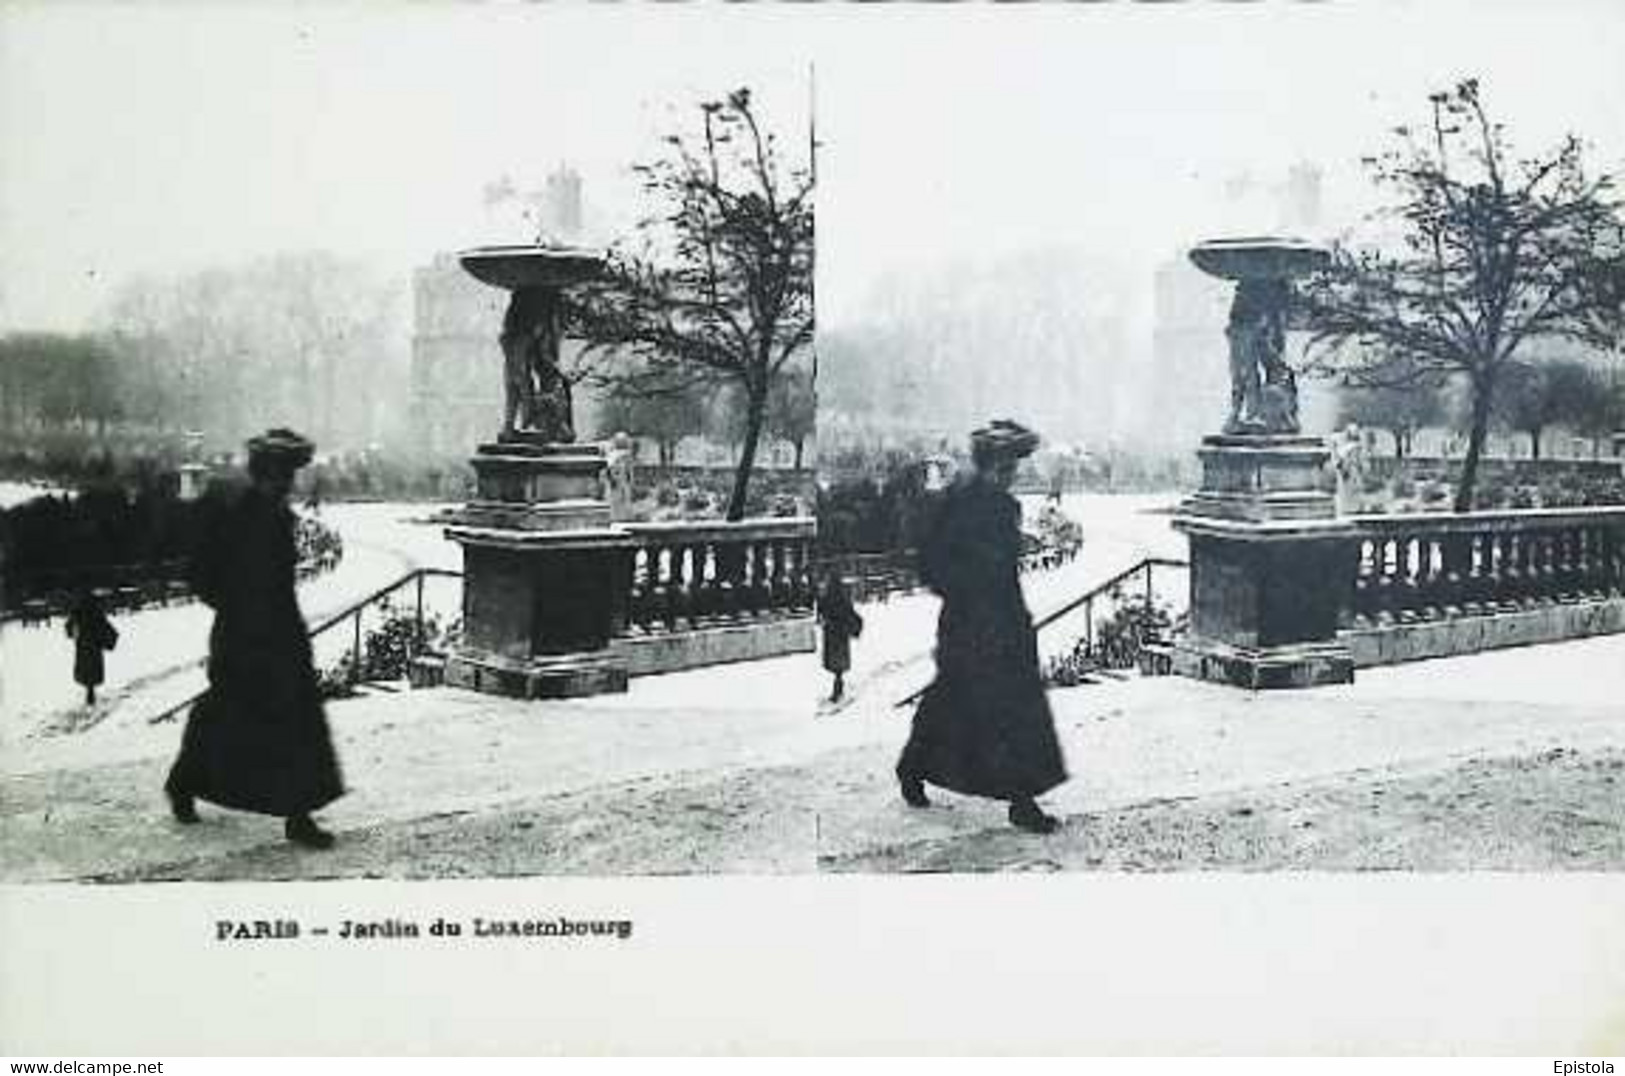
302 830
913 789
182 806
1026 815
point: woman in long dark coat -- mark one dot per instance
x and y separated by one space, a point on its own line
258 740
984 727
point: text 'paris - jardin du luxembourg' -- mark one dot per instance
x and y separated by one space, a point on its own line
236 930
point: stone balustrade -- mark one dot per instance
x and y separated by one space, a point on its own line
1438 585
692 575
1428 567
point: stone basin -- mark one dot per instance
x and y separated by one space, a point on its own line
1259 257
516 267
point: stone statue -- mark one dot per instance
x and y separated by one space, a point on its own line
619 475
1349 467
1263 391
536 392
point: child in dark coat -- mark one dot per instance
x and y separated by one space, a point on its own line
92 634
841 624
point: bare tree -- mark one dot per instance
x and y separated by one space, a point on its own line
636 405
1400 408
304 339
721 291
1535 396
1494 251
57 380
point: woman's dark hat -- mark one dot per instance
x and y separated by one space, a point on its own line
282 446
1003 438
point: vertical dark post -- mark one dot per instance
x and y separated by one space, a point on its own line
1613 551
418 632
355 654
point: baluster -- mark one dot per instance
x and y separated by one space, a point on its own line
1455 557
1574 562
1579 567
745 577
1528 568
801 595
1613 559
1503 573
720 590
697 592
1387 556
637 599
1484 572
1405 593
1429 577
731 586
676 589
1468 568
758 577
1561 569
652 598
777 581
1364 612
1510 555
1579 562
745 586
726 596
1537 580
712 593
1596 563
1539 575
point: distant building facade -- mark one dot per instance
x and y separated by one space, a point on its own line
456 362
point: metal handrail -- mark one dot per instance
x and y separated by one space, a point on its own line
384 592
1113 583
354 610
1147 565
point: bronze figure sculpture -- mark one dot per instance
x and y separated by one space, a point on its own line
536 392
1263 391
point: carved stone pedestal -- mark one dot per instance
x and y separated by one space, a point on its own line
543 575
1269 566
1262 477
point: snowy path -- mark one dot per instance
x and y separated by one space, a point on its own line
721 769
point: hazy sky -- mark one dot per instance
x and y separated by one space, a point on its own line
168 138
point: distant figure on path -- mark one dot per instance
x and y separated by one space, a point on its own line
92 634
841 624
258 740
984 727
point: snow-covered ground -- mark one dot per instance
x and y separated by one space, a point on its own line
15 493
